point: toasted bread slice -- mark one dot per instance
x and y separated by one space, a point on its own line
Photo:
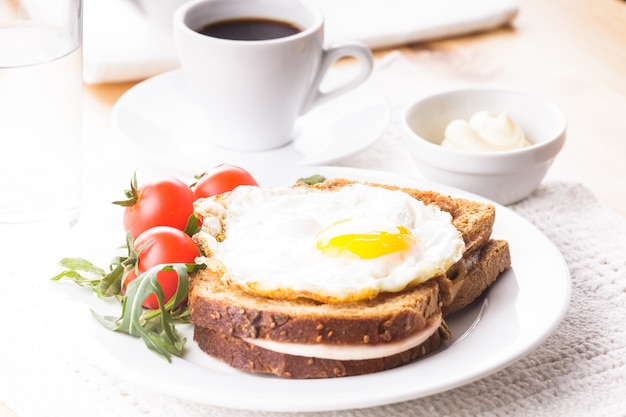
389 317
228 321
250 358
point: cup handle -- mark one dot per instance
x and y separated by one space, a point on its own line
355 50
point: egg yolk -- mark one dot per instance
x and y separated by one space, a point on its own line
365 244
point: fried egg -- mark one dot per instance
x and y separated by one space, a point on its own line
338 245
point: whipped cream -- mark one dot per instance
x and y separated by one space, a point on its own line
485 131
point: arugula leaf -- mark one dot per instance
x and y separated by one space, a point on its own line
104 284
155 327
312 180
192 227
86 274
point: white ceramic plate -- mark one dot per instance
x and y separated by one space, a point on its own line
514 316
161 122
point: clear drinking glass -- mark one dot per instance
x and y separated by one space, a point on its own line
41 89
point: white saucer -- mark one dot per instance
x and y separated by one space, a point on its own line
155 116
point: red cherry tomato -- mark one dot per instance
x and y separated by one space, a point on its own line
162 245
167 202
221 179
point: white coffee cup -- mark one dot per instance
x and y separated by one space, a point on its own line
253 91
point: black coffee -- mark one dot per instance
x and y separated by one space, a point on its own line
250 29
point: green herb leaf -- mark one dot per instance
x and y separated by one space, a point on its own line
192 226
82 272
86 274
111 284
79 264
312 180
155 327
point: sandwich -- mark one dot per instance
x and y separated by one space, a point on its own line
339 278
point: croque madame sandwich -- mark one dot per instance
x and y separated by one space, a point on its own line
336 279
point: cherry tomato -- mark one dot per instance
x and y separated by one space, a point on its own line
167 202
162 245
222 178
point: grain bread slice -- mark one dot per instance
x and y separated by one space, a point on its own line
389 317
229 321
250 358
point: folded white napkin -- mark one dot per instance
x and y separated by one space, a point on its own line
121 45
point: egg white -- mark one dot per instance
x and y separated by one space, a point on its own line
266 240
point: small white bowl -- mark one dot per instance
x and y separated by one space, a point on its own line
502 176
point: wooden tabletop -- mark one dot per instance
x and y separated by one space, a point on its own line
572 52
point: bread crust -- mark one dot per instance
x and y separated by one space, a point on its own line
474 276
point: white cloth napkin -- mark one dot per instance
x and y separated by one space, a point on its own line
121 45
580 370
